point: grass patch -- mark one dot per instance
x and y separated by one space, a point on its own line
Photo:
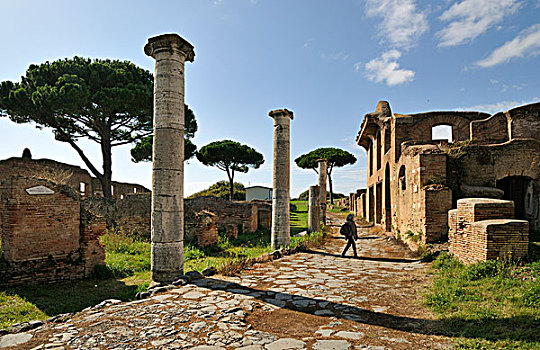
127 271
299 217
14 308
337 209
488 305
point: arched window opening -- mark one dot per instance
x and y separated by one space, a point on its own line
379 149
402 183
370 158
442 132
82 188
387 140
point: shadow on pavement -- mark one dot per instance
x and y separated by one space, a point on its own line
368 258
471 328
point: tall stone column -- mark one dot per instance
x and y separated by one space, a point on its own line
281 231
170 52
322 188
314 210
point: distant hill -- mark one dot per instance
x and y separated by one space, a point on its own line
304 196
221 189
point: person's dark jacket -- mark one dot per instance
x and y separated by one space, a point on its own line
352 229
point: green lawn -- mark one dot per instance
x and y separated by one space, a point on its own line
127 272
487 305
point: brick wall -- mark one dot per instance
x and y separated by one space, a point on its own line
525 121
201 228
39 225
233 217
133 215
46 236
481 229
491 130
47 168
437 201
415 161
482 165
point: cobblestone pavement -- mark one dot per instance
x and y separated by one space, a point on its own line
309 300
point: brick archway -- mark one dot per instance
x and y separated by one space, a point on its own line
422 130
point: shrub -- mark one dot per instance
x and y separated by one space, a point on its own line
445 261
191 253
486 269
531 296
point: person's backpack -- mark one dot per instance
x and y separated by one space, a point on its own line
345 230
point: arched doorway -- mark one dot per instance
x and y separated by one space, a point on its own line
516 189
387 199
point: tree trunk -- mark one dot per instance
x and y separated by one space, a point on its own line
331 189
105 184
230 174
330 186
106 153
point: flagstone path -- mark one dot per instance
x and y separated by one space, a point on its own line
310 300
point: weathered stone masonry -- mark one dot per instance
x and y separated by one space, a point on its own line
413 180
170 52
79 179
47 233
204 216
281 235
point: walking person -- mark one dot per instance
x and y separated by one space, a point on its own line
348 229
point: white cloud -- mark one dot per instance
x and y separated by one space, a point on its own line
527 43
471 18
338 56
386 68
499 106
401 23
308 42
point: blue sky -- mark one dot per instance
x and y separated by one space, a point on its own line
327 61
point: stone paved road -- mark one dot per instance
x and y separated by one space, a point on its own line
310 300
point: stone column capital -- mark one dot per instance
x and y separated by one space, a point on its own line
171 43
277 113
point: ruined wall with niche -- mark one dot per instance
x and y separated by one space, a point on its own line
67 174
482 170
47 236
204 216
233 217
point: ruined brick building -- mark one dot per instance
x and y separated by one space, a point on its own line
74 176
413 180
52 214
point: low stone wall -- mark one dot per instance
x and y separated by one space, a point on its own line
483 229
132 214
46 235
201 228
342 202
204 216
